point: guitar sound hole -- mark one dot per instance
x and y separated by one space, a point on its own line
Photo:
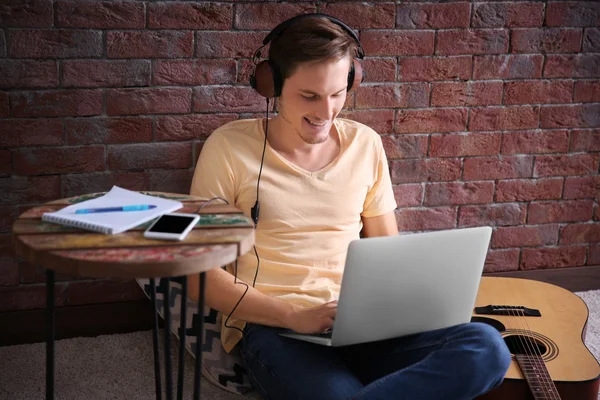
520 344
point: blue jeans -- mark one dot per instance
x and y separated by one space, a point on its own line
457 363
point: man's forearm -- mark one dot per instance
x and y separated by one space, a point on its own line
222 294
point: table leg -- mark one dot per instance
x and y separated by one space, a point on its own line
157 379
50 329
182 329
199 337
165 283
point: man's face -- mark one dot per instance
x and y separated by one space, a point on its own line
313 96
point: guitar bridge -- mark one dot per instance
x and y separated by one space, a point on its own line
508 310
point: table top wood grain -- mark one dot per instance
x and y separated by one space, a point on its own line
222 234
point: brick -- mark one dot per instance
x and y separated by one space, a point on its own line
103 291
16 74
148 101
431 120
508 66
245 68
178 181
505 167
472 41
199 15
577 116
392 95
582 187
586 92
435 68
155 155
23 190
503 118
464 144
197 150
59 160
397 43
593 255
7 247
20 14
535 142
381 121
227 99
149 44
108 130
102 73
56 103
30 132
455 193
572 65
29 297
492 215
591 40
566 165
573 14
546 40
466 94
432 16
4 105
409 195
55 43
100 14
528 189
537 92
238 44
379 69
362 15
266 16
189 127
425 170
502 261
33 273
8 215
96 182
9 273
404 146
5 162
3 45
552 257
510 15
560 211
525 236
580 233
424 219
194 72
585 140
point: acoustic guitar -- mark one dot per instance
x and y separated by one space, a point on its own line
544 327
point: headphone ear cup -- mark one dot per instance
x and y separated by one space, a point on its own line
355 76
262 80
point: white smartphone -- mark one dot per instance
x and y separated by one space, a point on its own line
172 226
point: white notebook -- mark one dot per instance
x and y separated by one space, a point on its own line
112 222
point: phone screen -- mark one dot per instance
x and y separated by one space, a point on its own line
171 224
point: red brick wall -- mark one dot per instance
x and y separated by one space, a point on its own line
489 111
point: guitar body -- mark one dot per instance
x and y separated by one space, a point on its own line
556 337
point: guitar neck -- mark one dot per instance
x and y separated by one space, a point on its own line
537 376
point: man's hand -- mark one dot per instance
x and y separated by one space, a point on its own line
313 319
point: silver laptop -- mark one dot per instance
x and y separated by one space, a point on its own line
410 283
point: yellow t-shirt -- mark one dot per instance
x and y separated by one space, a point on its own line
307 219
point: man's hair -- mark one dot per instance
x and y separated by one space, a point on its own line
310 39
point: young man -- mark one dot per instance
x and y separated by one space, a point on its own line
324 179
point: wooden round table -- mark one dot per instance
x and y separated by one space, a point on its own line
222 234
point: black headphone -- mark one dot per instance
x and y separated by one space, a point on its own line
266 78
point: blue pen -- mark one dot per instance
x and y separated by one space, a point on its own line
139 207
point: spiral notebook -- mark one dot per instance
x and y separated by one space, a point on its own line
112 222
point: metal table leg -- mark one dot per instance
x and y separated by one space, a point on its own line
199 338
155 341
182 330
166 289
50 330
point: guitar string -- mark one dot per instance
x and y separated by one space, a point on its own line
541 363
529 345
